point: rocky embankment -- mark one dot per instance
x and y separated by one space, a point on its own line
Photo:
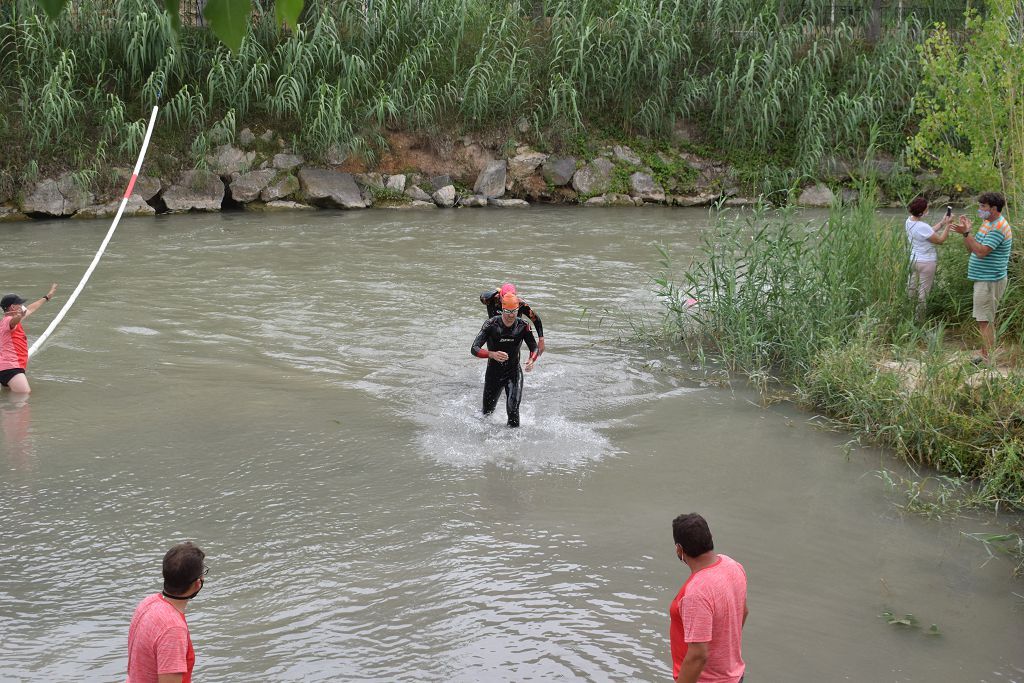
261 174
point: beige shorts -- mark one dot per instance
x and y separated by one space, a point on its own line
986 299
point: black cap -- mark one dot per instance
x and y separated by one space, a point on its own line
10 300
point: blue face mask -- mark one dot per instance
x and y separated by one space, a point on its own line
983 214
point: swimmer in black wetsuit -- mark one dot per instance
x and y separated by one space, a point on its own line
504 335
492 300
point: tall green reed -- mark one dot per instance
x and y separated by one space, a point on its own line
793 90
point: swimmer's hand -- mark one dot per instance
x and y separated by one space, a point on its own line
499 356
529 365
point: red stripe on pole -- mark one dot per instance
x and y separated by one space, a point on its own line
131 184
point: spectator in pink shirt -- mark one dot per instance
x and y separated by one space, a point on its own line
159 646
706 617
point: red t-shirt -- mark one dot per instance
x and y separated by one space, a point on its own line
9 356
676 636
712 610
20 345
158 642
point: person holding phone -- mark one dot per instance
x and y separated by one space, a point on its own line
13 343
923 256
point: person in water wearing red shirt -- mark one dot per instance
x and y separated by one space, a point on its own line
159 645
707 615
13 343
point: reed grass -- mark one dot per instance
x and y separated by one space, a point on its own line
823 308
793 91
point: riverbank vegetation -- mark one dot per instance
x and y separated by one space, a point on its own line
823 309
777 89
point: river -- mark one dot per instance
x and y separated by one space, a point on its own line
295 393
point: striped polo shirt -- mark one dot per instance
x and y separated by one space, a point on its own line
992 267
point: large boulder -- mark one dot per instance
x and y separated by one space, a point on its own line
136 206
642 185
594 178
627 155
281 206
616 199
395 183
415 193
445 197
473 200
331 188
280 188
559 170
508 203
435 183
373 181
816 196
228 160
522 166
61 197
703 199
145 186
247 187
45 199
195 191
491 181
286 162
246 138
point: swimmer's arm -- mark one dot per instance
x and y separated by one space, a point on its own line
532 344
532 315
478 349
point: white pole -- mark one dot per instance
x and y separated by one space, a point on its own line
106 240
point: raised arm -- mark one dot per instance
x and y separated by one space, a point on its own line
970 244
34 306
941 231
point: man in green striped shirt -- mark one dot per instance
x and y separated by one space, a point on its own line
987 265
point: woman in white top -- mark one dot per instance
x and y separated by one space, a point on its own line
923 257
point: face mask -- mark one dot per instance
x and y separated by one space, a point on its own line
184 597
983 214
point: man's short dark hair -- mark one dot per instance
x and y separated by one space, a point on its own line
918 205
993 199
691 531
183 564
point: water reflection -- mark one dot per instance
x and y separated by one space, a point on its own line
16 424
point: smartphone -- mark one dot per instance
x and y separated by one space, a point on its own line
949 210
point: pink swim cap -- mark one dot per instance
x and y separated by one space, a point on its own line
507 288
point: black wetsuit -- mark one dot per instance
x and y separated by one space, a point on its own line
492 300
507 375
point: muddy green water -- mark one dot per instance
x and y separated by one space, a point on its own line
295 393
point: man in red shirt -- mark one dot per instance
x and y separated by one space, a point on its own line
13 343
707 616
159 646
